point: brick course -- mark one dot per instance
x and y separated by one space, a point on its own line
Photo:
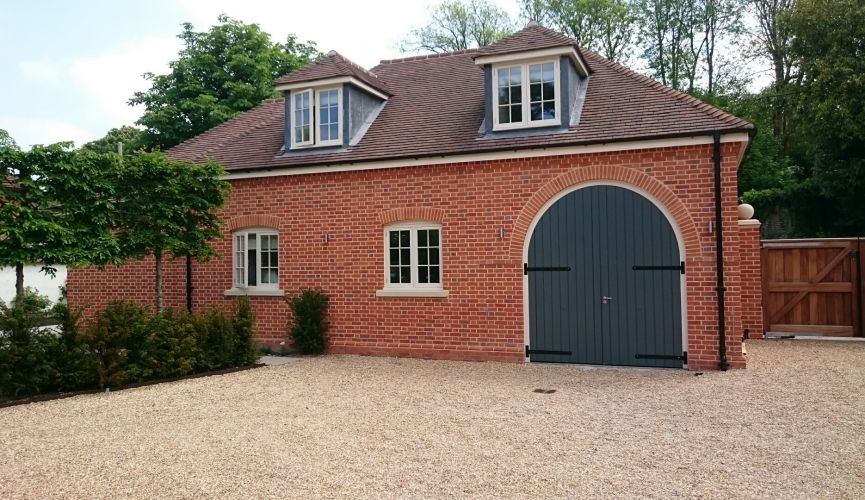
482 319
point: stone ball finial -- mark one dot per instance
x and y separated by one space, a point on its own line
331 53
746 211
533 24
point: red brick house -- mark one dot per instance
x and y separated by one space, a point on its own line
528 201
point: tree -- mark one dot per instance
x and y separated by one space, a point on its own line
131 137
459 25
219 73
722 21
55 208
168 207
605 26
829 103
773 39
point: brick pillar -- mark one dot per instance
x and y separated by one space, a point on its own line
752 278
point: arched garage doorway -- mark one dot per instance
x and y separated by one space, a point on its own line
605 280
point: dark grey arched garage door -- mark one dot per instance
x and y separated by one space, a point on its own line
604 282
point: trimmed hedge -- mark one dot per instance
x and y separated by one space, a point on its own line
125 344
309 322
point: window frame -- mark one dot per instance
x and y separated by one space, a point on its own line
413 228
293 124
244 233
525 92
314 103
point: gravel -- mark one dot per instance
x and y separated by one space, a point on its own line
792 425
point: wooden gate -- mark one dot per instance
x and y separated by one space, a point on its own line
813 286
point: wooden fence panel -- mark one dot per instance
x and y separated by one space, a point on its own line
813 286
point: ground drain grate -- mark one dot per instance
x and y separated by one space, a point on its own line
545 391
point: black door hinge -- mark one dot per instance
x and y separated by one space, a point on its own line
683 357
680 268
543 351
527 269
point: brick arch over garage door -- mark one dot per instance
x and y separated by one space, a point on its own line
624 175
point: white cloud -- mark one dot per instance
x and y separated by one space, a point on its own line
365 32
30 130
42 71
109 79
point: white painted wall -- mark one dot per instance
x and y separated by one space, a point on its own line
34 278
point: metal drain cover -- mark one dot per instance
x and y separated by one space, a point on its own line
545 391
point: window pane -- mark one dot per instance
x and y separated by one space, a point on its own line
549 110
504 81
548 72
405 274
434 237
404 239
516 113
535 92
394 239
394 274
394 256
535 73
404 258
423 274
274 259
421 237
549 91
334 131
516 94
334 114
253 241
434 256
252 268
503 95
422 256
536 111
434 274
306 134
504 114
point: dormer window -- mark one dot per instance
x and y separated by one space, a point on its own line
316 117
527 95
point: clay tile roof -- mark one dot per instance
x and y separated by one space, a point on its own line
436 108
333 65
532 37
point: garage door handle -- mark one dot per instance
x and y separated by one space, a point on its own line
605 299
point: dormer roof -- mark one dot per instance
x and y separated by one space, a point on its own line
436 109
533 38
332 66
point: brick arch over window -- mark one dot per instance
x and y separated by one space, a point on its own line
245 221
636 178
411 213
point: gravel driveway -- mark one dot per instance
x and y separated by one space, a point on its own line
792 425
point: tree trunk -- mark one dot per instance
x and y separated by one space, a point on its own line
158 259
19 283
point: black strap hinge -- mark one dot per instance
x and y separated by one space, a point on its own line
680 268
543 351
527 269
683 357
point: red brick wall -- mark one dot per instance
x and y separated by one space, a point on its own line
752 278
482 319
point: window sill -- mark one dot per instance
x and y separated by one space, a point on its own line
412 293
241 292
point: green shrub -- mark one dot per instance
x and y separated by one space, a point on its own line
174 350
120 342
244 353
216 340
25 347
74 365
309 324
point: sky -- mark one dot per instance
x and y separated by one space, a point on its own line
69 67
